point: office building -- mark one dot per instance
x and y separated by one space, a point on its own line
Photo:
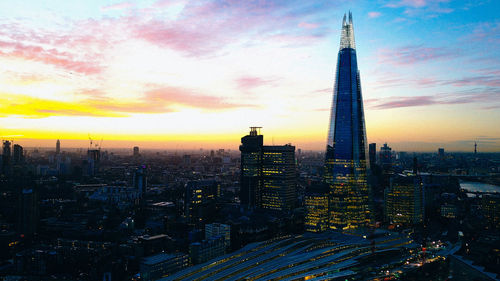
161 265
136 151
385 158
199 202
200 252
6 157
441 152
140 180
316 204
28 213
490 204
404 200
93 160
268 177
18 155
278 177
251 168
346 155
219 230
372 152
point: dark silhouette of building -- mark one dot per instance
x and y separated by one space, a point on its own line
200 200
6 157
268 177
441 153
136 151
58 147
251 168
385 158
372 152
93 160
140 180
18 155
346 155
28 212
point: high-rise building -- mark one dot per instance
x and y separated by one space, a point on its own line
219 230
136 151
268 177
140 180
441 152
251 168
316 204
200 199
346 155
93 160
6 157
18 155
278 177
385 157
58 147
372 152
404 200
28 212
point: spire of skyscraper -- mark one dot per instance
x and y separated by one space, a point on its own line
347 35
346 153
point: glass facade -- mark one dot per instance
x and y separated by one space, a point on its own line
278 177
268 177
346 159
404 201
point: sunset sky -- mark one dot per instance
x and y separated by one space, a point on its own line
192 74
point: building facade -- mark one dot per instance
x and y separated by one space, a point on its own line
346 153
268 176
404 200
219 230
316 204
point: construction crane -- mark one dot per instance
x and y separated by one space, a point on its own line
96 144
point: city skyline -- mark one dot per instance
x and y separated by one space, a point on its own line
209 70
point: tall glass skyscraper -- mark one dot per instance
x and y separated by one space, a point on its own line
346 160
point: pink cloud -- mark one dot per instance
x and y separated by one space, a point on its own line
308 25
117 6
485 32
414 54
205 27
54 57
373 15
250 82
406 102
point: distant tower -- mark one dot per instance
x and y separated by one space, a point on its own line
475 147
18 155
58 147
441 152
415 165
136 151
385 158
140 180
372 153
6 156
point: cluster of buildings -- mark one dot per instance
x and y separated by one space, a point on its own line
263 212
